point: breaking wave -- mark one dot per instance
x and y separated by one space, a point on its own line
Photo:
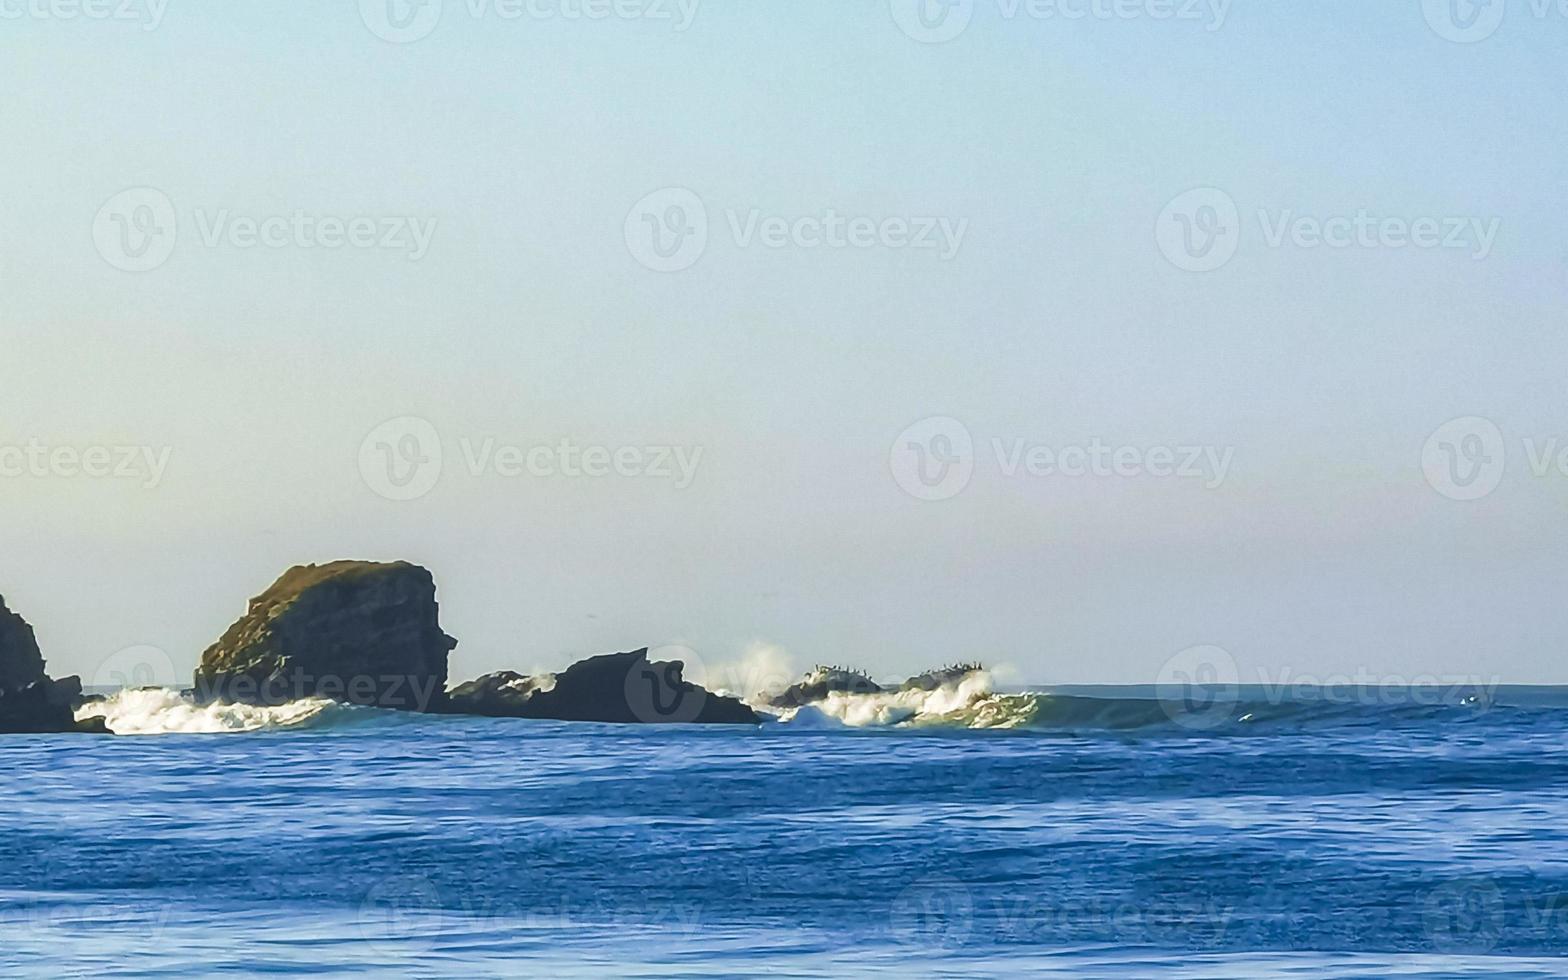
973 703
162 711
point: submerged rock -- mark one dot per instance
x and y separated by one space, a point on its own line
822 681
30 701
624 688
354 631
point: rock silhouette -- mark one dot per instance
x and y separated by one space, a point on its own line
354 631
31 702
625 688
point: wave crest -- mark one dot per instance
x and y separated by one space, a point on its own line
162 711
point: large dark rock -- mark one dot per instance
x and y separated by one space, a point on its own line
31 702
822 681
623 688
354 631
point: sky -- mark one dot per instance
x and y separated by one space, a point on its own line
1067 336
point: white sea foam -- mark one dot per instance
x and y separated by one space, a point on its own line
161 711
968 703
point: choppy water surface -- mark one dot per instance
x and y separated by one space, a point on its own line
1090 840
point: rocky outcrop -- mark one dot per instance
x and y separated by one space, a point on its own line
624 688
822 681
31 702
941 677
354 631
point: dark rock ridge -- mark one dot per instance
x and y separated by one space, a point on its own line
31 702
941 677
625 688
355 631
822 681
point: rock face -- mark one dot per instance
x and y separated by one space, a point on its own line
30 702
623 688
822 681
354 631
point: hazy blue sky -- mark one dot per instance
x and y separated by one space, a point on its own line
1057 318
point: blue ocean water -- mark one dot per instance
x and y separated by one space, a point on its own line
1100 839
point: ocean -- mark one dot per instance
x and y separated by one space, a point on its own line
1073 833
